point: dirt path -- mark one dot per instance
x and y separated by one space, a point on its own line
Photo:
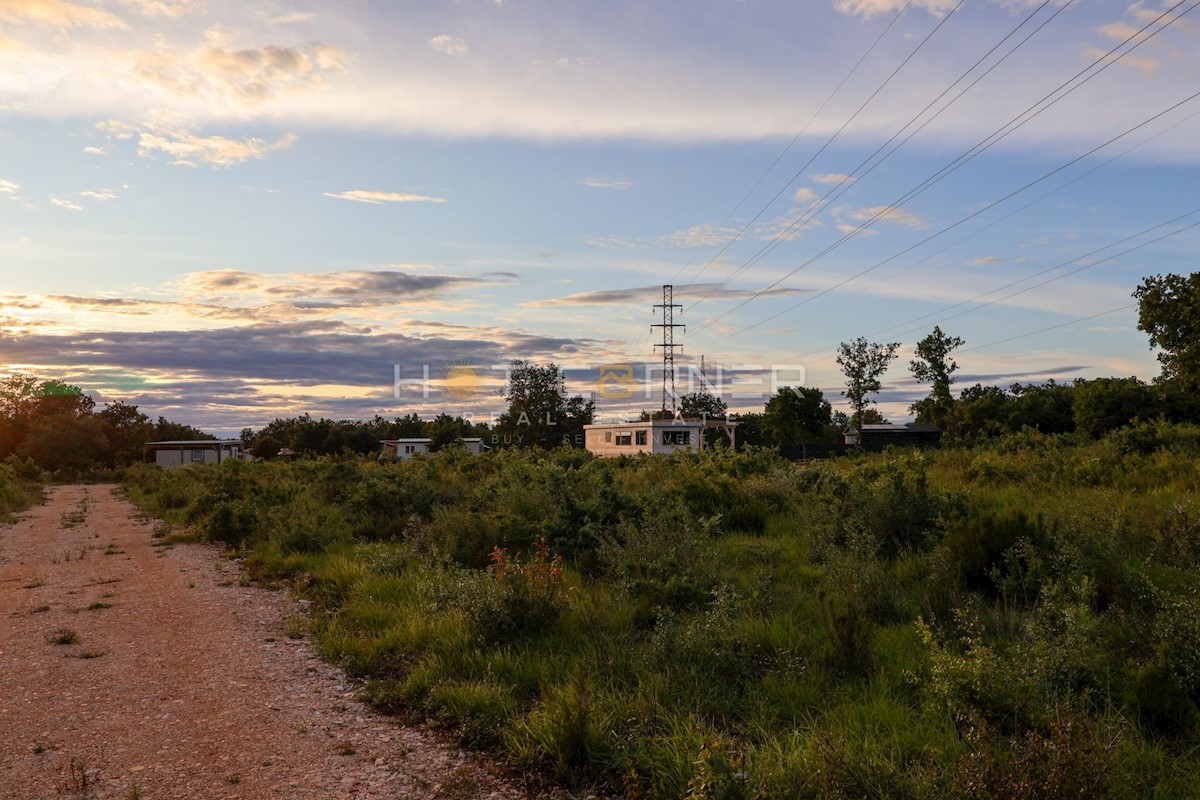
134 671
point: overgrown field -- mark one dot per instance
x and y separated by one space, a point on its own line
1020 619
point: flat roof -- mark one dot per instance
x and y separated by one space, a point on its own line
654 423
195 443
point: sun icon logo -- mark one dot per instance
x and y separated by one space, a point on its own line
462 380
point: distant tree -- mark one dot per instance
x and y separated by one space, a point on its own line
167 431
933 365
703 405
126 429
1169 311
1046 407
749 429
863 364
265 446
1105 404
982 411
539 412
66 444
444 431
796 414
873 416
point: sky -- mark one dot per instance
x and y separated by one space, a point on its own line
231 212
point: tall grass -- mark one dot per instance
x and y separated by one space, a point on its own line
1011 619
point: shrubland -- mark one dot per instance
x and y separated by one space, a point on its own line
1017 618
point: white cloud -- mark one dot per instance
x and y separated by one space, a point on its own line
607 183
450 45
366 196
832 178
100 196
95 151
187 149
69 205
804 195
9 187
982 260
704 235
870 8
58 13
899 216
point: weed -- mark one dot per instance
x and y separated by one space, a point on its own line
40 610
233 778
63 636
98 606
346 750
89 654
113 550
34 584
135 792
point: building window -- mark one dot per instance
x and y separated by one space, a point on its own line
198 455
677 438
624 439
408 449
608 436
640 437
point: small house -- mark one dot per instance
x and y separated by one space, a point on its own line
406 448
877 437
651 436
200 451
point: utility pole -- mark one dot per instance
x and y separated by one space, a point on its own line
668 325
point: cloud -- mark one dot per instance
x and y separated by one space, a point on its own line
987 260
607 183
832 178
707 234
9 187
1147 64
165 8
375 198
95 151
804 195
100 196
187 149
898 216
646 293
294 17
67 204
217 73
58 13
376 287
449 45
870 8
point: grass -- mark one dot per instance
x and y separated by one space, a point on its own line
40 609
729 625
97 606
36 583
63 636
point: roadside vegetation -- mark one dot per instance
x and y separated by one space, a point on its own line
1016 617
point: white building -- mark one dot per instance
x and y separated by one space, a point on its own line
653 436
198 451
404 449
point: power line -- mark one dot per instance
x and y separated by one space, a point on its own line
786 150
853 176
947 229
1004 131
1051 328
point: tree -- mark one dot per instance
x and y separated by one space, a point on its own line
1169 311
66 444
796 414
444 431
702 405
126 430
933 365
539 412
863 364
1105 404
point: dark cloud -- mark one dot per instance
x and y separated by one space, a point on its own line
642 294
375 287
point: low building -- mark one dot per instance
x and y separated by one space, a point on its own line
651 436
404 449
200 451
877 437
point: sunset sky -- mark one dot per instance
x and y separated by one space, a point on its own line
230 212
